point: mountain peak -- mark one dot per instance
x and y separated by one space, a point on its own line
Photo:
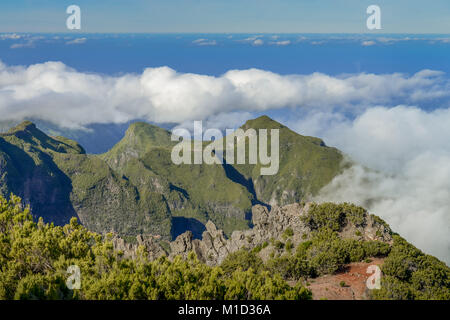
24 126
27 132
143 133
263 122
139 138
141 127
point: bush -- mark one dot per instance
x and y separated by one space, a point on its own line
248 284
34 258
289 245
410 274
242 259
326 252
288 233
279 245
334 216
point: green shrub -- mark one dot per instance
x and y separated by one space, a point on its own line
289 245
288 233
411 274
242 259
34 258
279 245
257 249
333 216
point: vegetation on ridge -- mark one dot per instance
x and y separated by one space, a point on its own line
60 181
34 258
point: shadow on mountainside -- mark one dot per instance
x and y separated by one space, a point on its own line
238 178
44 187
182 224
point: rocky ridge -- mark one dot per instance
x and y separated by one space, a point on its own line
268 227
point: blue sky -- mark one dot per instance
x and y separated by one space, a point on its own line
324 16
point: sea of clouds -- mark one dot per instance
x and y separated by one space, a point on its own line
378 120
408 183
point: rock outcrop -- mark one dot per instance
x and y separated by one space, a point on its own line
269 227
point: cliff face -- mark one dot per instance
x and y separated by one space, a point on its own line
285 222
59 180
27 169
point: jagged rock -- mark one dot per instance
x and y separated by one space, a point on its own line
129 250
182 245
374 230
271 225
213 245
152 247
260 215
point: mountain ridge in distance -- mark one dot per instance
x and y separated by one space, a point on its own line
134 188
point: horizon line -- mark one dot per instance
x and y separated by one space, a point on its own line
224 32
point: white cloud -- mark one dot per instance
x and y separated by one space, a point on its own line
221 121
54 92
10 36
409 152
258 42
281 42
209 43
253 40
205 42
77 41
24 40
28 44
368 43
199 40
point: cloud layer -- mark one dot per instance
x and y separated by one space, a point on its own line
54 92
408 184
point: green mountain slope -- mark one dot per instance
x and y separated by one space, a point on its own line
58 180
306 165
136 189
199 192
140 138
27 169
95 138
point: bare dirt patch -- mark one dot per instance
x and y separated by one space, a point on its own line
349 284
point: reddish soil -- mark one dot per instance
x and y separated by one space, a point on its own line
354 275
